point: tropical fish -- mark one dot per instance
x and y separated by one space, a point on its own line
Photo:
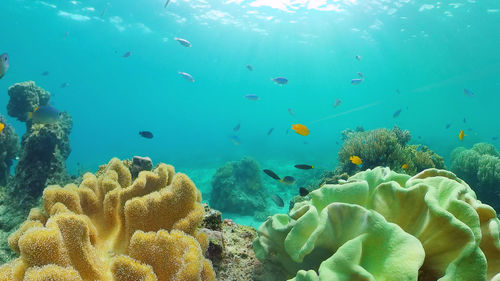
461 135
358 57
337 102
235 140
249 67
44 114
270 131
356 81
127 54
237 127
64 85
448 125
166 4
186 76
290 111
280 80
304 166
2 126
396 113
45 73
360 75
146 134
277 200
300 129
272 174
468 93
404 166
288 180
183 42
303 191
252 97
4 64
355 160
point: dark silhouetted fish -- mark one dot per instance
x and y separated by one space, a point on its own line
237 127
304 166
396 114
494 138
127 54
277 200
465 120
64 85
448 126
272 174
45 73
146 134
249 67
270 131
303 191
280 80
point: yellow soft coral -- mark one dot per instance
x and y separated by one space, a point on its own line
109 228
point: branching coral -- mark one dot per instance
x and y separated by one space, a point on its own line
111 229
480 167
381 225
382 147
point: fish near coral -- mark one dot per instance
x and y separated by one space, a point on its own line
288 180
300 129
277 200
304 166
2 126
355 160
45 114
461 135
404 166
271 174
4 64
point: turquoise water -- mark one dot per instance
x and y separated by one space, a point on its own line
427 51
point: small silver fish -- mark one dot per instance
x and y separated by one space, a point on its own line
186 76
356 81
183 42
4 64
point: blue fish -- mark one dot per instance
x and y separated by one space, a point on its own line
186 76
235 139
356 81
468 93
280 80
44 114
252 97
396 114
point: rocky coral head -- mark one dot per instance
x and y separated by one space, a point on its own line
24 98
9 146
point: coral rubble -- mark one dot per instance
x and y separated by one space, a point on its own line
381 225
110 228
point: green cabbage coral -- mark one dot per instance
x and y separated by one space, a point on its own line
480 167
381 225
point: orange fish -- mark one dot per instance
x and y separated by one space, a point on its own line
461 135
2 125
300 129
355 160
404 166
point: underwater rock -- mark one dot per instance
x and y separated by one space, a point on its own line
24 98
480 167
44 150
386 148
8 149
212 219
140 164
237 187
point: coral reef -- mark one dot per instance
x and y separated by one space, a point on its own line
480 167
24 98
237 187
8 149
44 150
382 147
110 228
381 225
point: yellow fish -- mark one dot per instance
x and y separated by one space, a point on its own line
355 160
461 135
2 125
404 166
300 129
